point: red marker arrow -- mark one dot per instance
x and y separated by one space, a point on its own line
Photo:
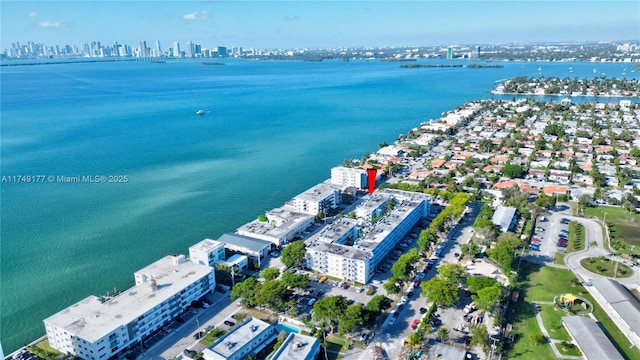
371 179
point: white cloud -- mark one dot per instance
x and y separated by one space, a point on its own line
50 24
196 15
33 14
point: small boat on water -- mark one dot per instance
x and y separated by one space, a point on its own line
200 112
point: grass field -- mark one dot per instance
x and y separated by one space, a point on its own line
576 237
605 267
623 227
551 318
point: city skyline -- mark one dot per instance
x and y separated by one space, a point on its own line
314 24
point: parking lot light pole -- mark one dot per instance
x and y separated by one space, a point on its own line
197 323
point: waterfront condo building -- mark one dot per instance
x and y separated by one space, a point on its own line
207 252
281 227
100 328
246 339
334 254
317 198
349 177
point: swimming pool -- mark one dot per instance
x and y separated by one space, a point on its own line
287 328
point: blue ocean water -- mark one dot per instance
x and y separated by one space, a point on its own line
271 129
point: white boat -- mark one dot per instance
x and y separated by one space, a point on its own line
200 112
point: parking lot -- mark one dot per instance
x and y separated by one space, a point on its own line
551 231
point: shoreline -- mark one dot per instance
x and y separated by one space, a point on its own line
566 95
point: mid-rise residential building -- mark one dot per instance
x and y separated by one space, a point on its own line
100 328
331 254
346 177
207 252
247 339
281 227
318 198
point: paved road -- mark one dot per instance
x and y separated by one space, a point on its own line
593 232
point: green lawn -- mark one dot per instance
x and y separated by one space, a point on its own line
559 258
551 318
605 267
568 348
623 227
576 237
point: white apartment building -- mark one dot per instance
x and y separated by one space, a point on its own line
248 338
282 226
99 328
207 252
298 347
346 177
313 200
357 263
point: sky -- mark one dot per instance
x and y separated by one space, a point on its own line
316 24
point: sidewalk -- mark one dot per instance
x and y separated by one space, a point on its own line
552 342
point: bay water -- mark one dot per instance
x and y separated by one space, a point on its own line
270 130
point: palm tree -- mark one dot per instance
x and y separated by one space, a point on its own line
443 334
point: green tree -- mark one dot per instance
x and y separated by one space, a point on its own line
415 339
512 171
443 334
353 316
294 254
330 309
486 298
545 201
391 286
426 238
480 336
585 200
272 294
455 273
270 273
503 251
262 218
247 290
403 267
299 281
538 338
441 291
477 283
378 303
470 249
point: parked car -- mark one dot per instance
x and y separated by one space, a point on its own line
312 301
423 310
208 328
190 353
198 335
229 323
414 324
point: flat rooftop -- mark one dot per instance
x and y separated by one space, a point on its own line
296 347
318 192
206 245
92 319
342 250
337 229
593 342
239 337
622 300
246 242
